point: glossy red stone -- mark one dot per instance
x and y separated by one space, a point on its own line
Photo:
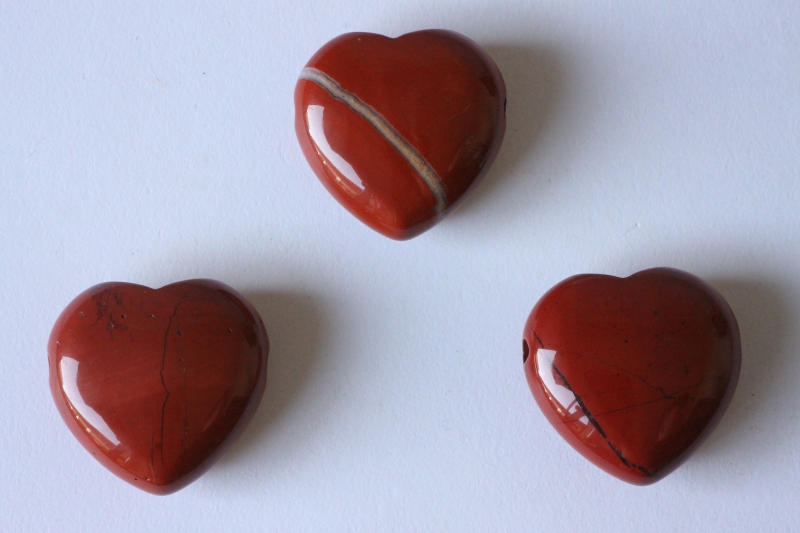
399 129
634 373
156 384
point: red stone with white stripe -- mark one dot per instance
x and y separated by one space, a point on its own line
398 130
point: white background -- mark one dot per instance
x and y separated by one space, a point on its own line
152 143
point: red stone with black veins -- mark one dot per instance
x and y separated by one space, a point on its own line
439 90
647 365
156 384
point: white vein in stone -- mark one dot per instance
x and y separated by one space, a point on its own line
403 147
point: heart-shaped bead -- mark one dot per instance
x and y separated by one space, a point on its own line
156 384
634 373
399 129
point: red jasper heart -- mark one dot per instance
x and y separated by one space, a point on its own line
399 129
634 373
156 384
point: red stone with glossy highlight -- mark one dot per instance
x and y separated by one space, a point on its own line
634 373
156 384
399 129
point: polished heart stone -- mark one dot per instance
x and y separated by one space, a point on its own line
634 373
156 384
399 129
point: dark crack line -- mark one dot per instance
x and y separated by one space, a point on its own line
535 336
592 419
185 423
661 390
631 406
628 372
596 425
665 396
580 403
153 458
163 381
185 405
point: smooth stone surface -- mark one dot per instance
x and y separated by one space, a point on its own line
156 384
634 373
399 129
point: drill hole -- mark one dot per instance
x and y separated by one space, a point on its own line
525 351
